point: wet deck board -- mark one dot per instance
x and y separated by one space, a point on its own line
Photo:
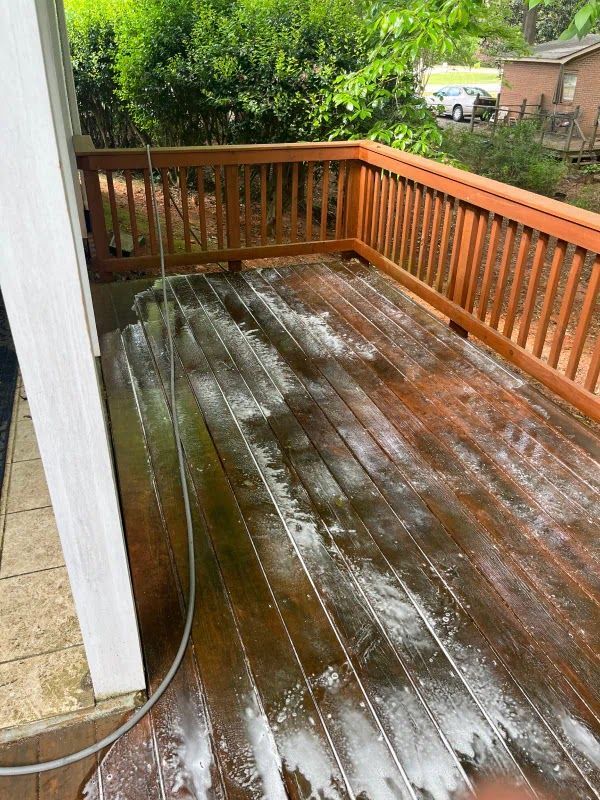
396 551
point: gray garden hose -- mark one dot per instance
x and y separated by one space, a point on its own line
56 763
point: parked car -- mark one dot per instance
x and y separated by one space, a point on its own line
458 101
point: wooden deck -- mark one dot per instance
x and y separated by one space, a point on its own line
397 551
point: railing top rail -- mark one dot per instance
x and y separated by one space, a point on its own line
554 217
135 158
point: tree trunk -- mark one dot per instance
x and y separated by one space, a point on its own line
530 16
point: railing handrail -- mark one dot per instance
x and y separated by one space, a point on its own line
577 225
238 154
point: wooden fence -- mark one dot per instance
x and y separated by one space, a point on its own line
519 271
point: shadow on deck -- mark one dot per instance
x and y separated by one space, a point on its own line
396 550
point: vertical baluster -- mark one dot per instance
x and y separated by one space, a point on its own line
310 180
517 284
278 203
399 213
164 174
263 204
201 206
355 199
425 239
490 263
405 237
585 318
150 213
339 203
368 206
131 207
232 207
482 227
294 205
382 213
415 227
539 259
591 379
247 205
97 219
456 248
435 229
389 224
444 243
185 208
219 206
566 306
112 200
549 296
505 263
375 207
465 262
324 200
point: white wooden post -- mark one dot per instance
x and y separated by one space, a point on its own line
41 274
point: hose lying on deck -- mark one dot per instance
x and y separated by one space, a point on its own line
63 761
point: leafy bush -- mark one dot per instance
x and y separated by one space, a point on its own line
513 155
183 72
92 35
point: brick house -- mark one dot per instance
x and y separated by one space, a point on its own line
562 75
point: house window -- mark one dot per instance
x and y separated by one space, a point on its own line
569 82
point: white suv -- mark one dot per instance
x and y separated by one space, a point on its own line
458 101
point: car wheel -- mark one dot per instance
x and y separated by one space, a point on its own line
457 114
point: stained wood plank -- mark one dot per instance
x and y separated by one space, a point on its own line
164 175
534 441
230 696
182 717
319 496
116 228
374 568
79 779
219 206
201 207
131 208
150 212
567 440
498 571
567 554
248 204
21 752
377 666
391 486
543 477
273 661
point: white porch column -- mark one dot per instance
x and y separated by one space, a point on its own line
41 274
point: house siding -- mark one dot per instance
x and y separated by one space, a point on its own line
587 91
531 80
527 79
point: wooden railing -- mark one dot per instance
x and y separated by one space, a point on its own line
518 270
220 203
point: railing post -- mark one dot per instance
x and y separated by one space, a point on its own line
356 202
465 263
232 212
97 221
496 114
595 131
571 129
473 112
